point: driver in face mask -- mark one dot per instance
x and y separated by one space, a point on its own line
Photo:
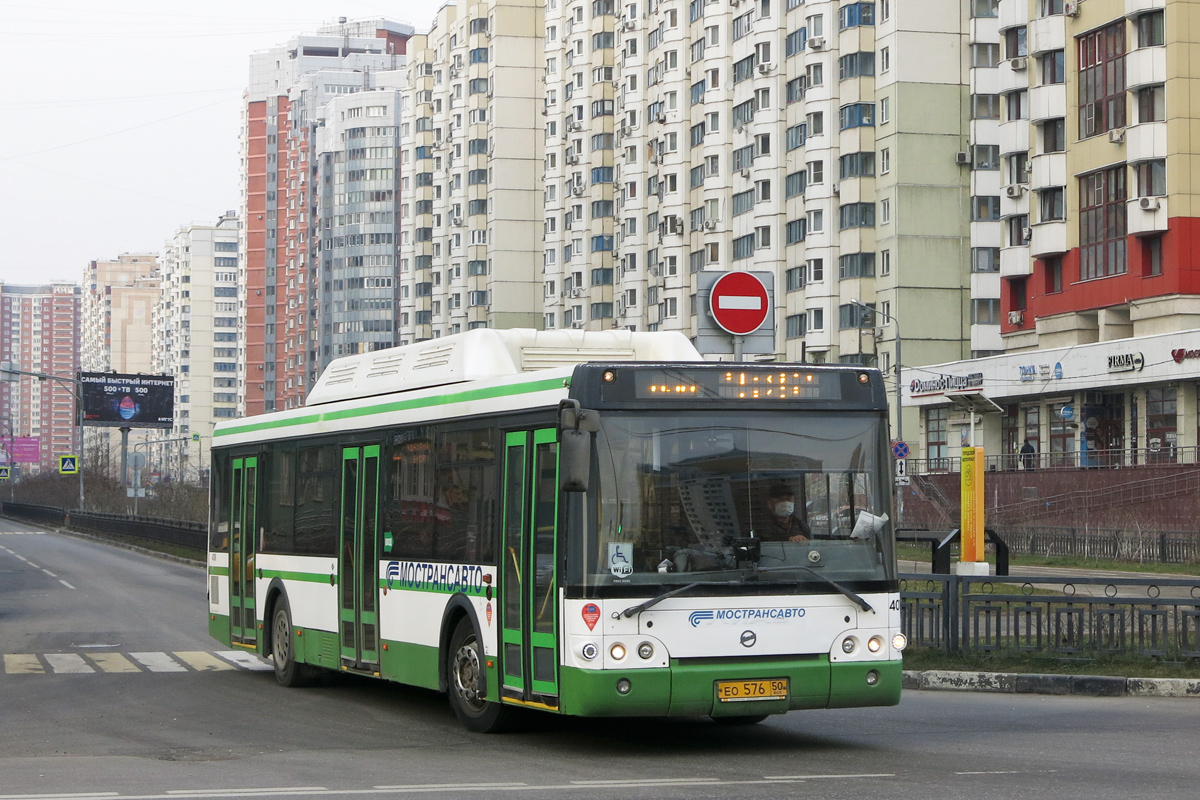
782 524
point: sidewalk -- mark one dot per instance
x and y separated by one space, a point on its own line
1032 683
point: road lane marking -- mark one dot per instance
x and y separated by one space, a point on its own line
158 662
113 662
826 777
68 664
22 664
245 660
64 583
48 572
243 792
202 661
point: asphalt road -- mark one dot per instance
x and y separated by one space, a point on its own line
110 688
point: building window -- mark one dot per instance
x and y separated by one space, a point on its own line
984 8
985 208
1054 136
1151 105
1152 256
856 115
985 106
985 259
1150 30
1051 204
1014 43
856 265
985 157
1052 67
1102 223
1151 178
1053 275
1017 104
1102 80
985 54
985 312
856 215
1160 424
936 426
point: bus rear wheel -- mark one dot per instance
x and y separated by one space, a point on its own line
467 683
288 672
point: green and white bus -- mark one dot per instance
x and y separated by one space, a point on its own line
571 521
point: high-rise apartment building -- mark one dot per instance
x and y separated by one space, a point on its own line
39 333
289 85
197 338
118 301
471 154
1082 162
354 293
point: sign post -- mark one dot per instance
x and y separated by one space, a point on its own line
740 305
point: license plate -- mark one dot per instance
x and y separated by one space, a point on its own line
742 691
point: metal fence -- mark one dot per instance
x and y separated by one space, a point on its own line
191 535
1069 459
1080 617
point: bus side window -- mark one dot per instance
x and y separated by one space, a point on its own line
218 534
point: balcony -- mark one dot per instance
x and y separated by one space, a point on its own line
1146 215
1145 66
1014 136
1135 7
1049 170
1046 34
1015 262
1048 239
1145 141
1047 102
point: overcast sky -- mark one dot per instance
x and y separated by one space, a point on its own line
119 120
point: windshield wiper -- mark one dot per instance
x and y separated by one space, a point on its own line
863 604
629 612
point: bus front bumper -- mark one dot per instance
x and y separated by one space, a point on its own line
689 688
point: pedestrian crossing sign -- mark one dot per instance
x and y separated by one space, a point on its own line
68 465
3 473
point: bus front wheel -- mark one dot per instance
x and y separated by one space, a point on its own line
466 682
288 672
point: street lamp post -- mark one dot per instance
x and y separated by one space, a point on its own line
896 322
76 387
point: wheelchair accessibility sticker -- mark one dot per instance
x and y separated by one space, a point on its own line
620 559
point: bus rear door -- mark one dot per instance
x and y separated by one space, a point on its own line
243 522
358 562
529 632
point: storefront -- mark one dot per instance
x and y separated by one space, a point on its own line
1124 402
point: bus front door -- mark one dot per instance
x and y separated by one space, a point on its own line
243 522
529 632
358 562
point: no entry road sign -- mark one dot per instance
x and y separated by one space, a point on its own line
739 303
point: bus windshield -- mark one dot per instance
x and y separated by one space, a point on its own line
763 497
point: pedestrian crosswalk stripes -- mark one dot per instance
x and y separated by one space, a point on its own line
95 663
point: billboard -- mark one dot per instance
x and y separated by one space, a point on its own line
21 450
127 401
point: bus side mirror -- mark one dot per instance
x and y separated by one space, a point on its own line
576 426
574 460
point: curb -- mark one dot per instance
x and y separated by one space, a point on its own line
1085 685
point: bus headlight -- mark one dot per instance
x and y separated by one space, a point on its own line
875 644
645 650
589 651
848 645
617 651
899 642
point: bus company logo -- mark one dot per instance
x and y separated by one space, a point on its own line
732 615
443 578
748 638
